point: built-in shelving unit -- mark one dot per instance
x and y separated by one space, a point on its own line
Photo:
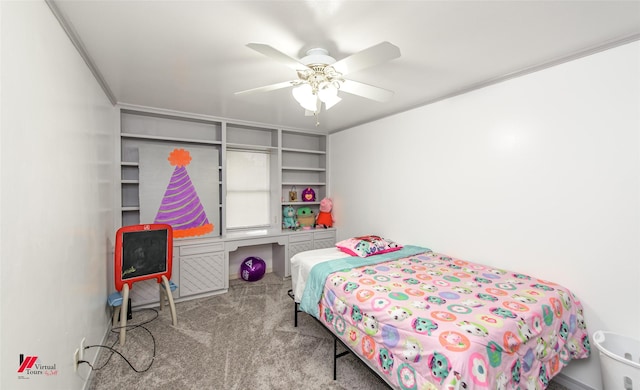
300 156
201 265
148 130
303 165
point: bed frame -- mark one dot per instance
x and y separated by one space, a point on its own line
336 354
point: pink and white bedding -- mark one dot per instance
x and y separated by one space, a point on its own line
303 262
430 321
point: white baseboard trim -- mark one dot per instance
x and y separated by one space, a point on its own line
89 380
570 383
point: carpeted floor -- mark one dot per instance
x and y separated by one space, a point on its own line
244 339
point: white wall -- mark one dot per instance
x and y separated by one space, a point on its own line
538 174
57 153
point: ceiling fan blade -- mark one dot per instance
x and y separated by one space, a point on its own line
267 88
366 90
278 56
374 55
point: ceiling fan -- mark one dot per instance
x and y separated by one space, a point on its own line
320 76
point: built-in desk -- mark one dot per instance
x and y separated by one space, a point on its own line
279 248
201 266
285 244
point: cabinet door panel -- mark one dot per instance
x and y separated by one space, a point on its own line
202 273
326 243
299 247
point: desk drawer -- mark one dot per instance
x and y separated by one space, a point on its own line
324 234
200 249
301 237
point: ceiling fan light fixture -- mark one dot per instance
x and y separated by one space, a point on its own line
327 90
320 76
329 95
305 97
331 102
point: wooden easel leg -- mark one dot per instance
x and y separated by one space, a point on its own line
172 306
123 313
161 291
116 314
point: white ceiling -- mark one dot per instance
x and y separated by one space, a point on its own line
190 56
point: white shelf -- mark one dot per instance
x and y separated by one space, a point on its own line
303 169
172 139
303 183
299 203
304 151
250 147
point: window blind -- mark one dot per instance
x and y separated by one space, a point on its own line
248 189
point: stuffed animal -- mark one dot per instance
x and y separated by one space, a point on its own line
308 195
306 219
324 218
289 218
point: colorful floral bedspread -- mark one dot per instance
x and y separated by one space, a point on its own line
430 321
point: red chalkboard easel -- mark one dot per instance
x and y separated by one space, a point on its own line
143 252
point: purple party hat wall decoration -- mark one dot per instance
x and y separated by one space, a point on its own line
181 207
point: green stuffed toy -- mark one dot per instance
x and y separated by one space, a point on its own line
306 218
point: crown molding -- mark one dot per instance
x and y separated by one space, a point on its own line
77 42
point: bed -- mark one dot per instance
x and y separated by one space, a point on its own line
425 320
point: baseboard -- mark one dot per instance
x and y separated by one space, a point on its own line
570 383
87 383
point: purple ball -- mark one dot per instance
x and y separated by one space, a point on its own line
252 269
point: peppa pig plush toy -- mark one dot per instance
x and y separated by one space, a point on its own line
324 217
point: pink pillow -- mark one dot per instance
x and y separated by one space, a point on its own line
367 246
